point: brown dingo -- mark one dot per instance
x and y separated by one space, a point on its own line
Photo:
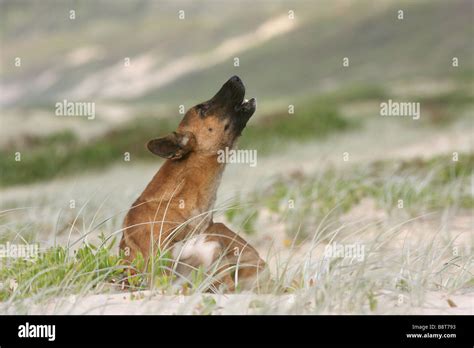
175 212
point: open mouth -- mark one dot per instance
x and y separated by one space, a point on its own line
242 106
247 107
231 95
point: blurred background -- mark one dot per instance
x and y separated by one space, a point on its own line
175 61
330 168
139 62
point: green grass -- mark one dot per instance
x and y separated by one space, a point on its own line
372 285
312 120
58 271
63 154
64 271
447 107
424 186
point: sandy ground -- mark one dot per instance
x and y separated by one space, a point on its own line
146 302
391 141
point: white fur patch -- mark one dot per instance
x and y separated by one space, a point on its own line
185 140
196 247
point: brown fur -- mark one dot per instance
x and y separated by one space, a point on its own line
178 202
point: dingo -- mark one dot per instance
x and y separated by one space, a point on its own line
175 212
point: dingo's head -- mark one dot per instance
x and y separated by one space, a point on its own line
209 126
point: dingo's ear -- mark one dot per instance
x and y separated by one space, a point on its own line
173 146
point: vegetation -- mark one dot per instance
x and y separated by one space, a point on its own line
375 284
411 187
63 271
60 154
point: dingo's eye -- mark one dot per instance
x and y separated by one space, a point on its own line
226 127
209 129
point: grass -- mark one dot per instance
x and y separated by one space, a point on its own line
311 209
312 120
423 185
62 154
447 107
388 279
63 271
57 271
